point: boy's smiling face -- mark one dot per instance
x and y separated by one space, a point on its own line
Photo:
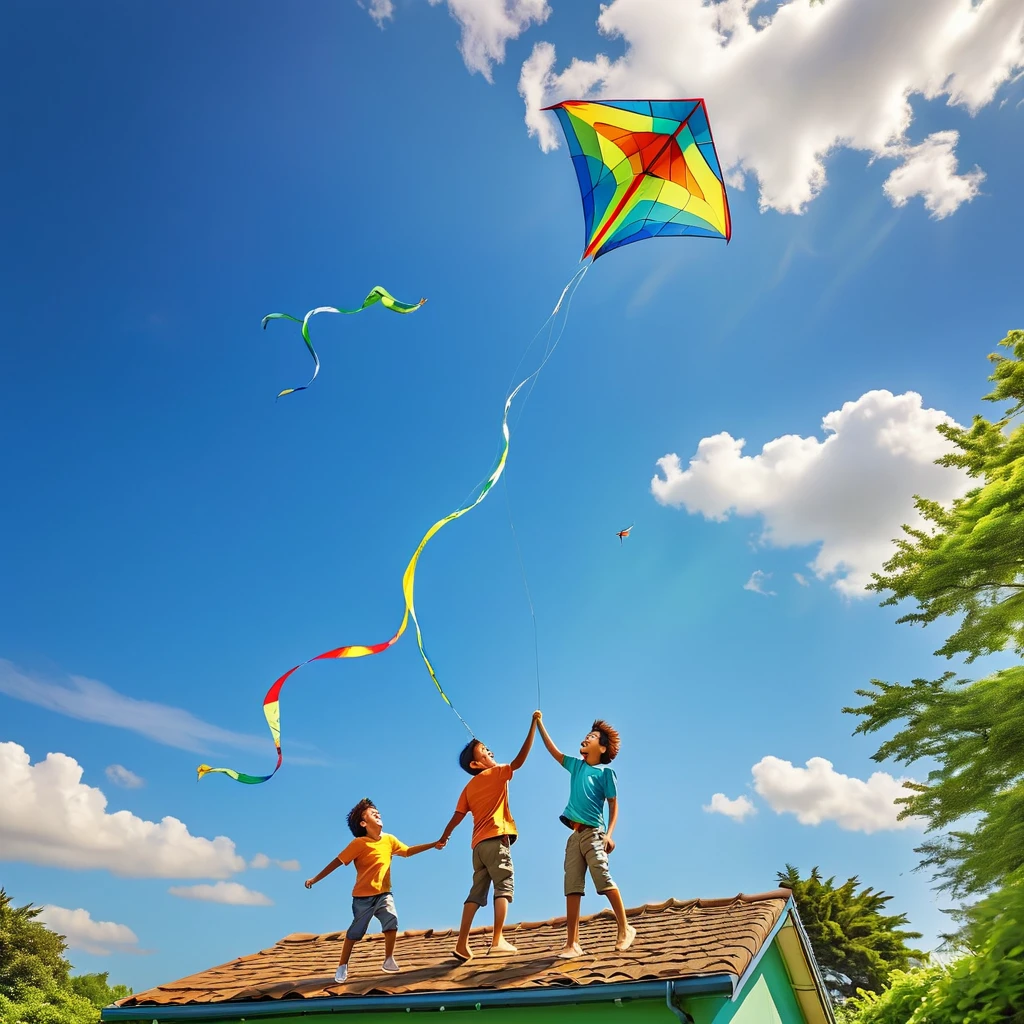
372 822
482 758
591 748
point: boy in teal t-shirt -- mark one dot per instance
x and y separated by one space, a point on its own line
591 783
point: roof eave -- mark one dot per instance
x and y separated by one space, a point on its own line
714 984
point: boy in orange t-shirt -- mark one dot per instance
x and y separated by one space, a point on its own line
371 852
494 832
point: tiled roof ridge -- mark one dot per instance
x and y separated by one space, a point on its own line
699 903
676 939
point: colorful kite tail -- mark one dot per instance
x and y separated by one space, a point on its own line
377 294
272 701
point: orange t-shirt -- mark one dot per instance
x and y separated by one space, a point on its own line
372 858
486 797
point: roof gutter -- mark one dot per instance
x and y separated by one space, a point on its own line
715 984
819 980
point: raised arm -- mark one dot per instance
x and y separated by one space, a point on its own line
548 742
310 882
613 816
449 829
520 758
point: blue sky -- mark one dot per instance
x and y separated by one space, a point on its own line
172 533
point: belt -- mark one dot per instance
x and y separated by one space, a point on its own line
576 826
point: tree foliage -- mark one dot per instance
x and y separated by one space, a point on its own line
983 986
856 945
36 986
975 734
30 954
970 562
97 989
969 565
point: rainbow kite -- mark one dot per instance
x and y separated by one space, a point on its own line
646 169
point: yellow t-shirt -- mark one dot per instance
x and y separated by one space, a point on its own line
372 858
486 796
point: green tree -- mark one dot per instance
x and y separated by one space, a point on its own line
968 564
975 734
30 954
50 1005
97 989
856 945
35 982
983 986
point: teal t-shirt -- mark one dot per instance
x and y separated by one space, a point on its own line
589 787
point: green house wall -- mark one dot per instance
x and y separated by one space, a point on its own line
767 998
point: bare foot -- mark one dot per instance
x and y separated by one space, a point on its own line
462 955
627 940
570 952
502 948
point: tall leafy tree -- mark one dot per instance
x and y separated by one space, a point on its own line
35 982
985 985
97 989
30 954
967 565
856 944
970 563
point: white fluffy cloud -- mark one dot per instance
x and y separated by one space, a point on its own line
82 932
819 793
929 170
737 809
849 493
261 860
233 893
49 816
381 11
757 582
92 701
793 85
487 25
124 777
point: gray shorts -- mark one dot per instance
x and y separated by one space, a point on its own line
492 862
585 849
381 907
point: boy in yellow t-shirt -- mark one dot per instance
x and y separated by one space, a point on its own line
494 832
371 852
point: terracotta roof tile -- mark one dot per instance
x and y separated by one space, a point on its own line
675 939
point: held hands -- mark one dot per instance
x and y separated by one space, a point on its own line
537 716
441 843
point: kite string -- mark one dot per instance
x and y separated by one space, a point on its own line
549 348
526 587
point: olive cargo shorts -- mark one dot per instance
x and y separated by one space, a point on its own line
585 849
492 862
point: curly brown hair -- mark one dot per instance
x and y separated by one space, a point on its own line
609 739
468 755
355 817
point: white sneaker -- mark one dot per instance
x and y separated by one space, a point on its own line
341 973
391 966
